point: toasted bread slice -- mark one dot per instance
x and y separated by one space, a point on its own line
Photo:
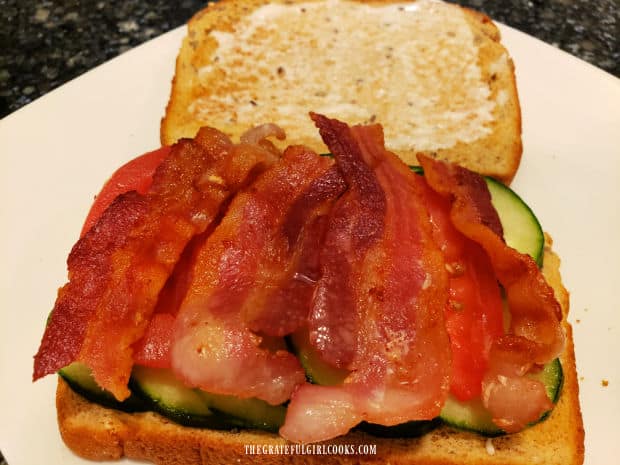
434 72
99 433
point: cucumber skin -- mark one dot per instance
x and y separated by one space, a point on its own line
536 238
213 421
79 379
193 407
247 413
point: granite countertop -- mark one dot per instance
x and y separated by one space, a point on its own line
44 43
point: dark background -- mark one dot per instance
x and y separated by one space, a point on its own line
43 44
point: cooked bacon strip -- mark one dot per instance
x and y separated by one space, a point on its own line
118 268
280 306
153 349
384 279
250 254
276 310
357 222
535 335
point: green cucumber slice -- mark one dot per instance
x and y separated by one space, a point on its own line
250 413
522 230
469 415
169 397
78 376
193 407
472 416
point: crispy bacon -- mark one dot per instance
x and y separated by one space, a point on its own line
239 271
281 305
380 302
535 335
153 349
356 222
118 268
360 254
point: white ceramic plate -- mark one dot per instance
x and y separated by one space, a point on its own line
58 151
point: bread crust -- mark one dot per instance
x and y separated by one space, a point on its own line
497 154
98 433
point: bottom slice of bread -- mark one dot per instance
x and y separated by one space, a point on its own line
98 433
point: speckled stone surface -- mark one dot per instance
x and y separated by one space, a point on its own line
46 43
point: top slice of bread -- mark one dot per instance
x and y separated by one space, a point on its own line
434 73
99 433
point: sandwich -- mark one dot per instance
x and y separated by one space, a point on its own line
250 297
388 301
439 67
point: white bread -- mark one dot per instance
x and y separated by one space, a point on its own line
99 433
441 83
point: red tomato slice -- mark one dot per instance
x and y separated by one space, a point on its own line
474 314
474 319
135 175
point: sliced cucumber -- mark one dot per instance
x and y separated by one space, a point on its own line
469 415
472 415
78 376
193 407
171 398
249 413
522 230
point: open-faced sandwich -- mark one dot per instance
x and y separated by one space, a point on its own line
341 298
237 299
